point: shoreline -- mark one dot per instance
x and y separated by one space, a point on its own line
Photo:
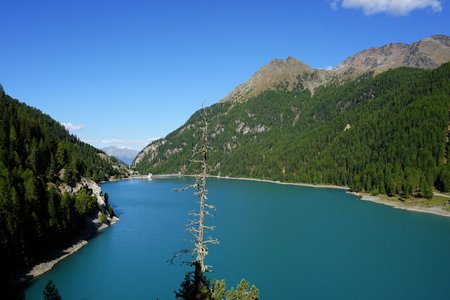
322 186
93 228
435 210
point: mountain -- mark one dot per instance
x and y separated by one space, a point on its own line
48 190
289 74
427 53
361 125
123 154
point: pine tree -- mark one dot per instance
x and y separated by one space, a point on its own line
242 292
51 292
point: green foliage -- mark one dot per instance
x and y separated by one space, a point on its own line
243 292
443 180
426 192
186 291
194 286
103 218
61 155
220 289
216 291
110 210
51 292
380 134
85 203
34 217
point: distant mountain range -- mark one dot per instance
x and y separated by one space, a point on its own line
377 122
123 154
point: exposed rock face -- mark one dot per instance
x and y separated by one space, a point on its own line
290 73
119 167
245 129
151 150
94 224
88 184
427 54
285 74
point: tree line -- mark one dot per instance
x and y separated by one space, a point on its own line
37 155
380 134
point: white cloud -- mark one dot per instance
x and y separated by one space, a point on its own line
121 143
329 68
72 127
393 7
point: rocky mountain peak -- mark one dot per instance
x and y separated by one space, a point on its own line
290 73
442 38
427 53
285 74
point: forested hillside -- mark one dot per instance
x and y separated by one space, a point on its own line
37 157
383 134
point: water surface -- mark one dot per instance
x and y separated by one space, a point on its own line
292 242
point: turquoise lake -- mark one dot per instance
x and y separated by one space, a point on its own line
292 242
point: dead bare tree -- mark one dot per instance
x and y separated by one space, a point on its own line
199 230
196 285
200 288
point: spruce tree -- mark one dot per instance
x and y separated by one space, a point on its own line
51 292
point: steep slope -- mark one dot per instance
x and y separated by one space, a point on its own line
47 187
280 74
384 133
290 73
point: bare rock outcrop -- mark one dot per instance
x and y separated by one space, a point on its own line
288 74
427 53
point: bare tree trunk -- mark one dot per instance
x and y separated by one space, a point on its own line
200 288
201 249
200 283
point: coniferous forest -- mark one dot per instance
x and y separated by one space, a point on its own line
380 134
37 155
225 150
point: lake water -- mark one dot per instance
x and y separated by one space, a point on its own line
292 242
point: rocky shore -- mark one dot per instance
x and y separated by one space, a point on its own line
94 225
93 229
395 203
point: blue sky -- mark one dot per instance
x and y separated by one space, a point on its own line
124 72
